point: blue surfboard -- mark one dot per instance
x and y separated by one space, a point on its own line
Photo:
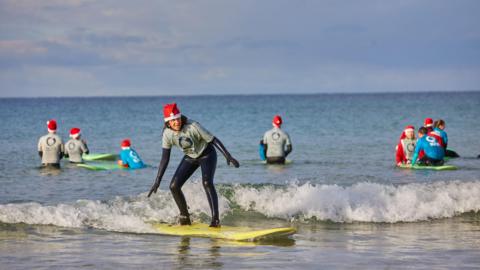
261 152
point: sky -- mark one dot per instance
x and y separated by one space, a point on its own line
180 47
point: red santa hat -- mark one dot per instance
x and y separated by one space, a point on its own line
428 122
277 120
74 132
409 128
52 125
171 111
125 143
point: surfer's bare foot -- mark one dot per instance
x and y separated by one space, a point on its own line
215 223
184 220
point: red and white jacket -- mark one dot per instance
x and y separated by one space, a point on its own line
405 150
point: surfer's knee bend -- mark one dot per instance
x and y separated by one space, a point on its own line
174 187
207 184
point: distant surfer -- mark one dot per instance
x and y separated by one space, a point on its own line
75 147
428 124
406 146
50 146
198 146
129 158
276 143
433 152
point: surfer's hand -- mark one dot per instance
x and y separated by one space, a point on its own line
154 188
233 161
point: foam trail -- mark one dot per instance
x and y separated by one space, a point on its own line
364 202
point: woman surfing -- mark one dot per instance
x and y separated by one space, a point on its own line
198 145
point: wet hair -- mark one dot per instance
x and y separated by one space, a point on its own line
423 130
438 123
184 120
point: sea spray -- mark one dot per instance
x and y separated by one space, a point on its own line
363 202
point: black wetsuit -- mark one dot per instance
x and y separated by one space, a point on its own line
425 160
207 160
275 160
208 163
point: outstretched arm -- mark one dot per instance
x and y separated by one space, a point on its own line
161 170
219 145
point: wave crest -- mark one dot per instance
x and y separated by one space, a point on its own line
364 202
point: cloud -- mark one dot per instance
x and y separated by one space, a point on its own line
269 46
214 73
21 47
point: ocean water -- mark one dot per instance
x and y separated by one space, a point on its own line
351 206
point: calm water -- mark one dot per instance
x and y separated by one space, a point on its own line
352 208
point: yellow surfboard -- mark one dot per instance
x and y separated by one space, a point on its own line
224 232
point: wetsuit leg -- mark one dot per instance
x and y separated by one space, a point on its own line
183 172
275 160
208 163
51 165
430 161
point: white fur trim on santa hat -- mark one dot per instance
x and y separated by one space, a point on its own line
173 116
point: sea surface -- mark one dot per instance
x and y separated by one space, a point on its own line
352 208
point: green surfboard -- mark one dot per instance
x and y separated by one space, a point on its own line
100 166
100 156
435 168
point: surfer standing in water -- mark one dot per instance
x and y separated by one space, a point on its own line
198 146
75 147
50 146
274 143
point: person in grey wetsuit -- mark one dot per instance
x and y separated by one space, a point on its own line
198 145
75 147
276 143
50 146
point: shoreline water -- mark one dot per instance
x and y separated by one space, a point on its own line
352 207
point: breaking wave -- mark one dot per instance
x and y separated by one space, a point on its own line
362 202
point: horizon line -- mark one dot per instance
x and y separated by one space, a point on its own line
258 94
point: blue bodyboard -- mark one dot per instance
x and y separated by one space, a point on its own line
261 152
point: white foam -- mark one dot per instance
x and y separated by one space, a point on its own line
130 214
365 202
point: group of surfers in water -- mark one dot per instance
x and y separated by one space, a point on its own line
198 145
429 149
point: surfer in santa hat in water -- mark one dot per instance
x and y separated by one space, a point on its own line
198 145
428 124
50 146
276 143
406 146
76 147
129 158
